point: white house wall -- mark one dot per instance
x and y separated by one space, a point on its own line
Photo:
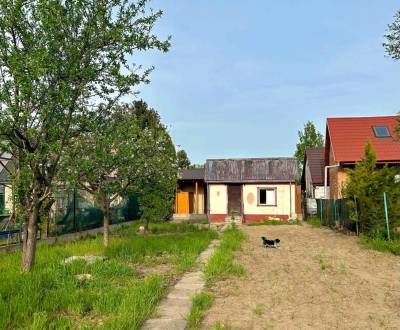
285 205
218 198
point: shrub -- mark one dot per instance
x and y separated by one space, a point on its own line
367 183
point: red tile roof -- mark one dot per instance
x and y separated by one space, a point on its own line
348 136
315 161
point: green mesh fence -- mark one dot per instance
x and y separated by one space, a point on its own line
73 211
336 213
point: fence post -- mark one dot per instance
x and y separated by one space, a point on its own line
386 214
334 211
320 207
355 205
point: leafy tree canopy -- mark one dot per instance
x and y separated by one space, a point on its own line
309 137
58 61
183 159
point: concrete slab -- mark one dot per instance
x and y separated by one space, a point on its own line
175 308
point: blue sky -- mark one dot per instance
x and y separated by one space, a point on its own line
242 77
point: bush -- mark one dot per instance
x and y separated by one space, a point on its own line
367 183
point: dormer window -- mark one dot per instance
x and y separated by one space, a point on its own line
381 131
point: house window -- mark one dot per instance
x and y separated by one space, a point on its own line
381 131
267 196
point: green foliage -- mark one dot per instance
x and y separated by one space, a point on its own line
367 183
58 61
309 137
383 245
183 159
117 297
221 265
314 222
273 223
200 303
392 43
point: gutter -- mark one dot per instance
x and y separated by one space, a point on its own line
326 179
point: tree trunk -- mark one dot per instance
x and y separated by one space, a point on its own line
146 226
106 221
29 240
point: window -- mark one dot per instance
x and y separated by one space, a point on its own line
381 131
267 196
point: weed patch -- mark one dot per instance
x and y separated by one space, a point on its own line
113 296
221 264
382 245
274 223
314 222
200 303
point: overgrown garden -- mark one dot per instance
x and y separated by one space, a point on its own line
117 293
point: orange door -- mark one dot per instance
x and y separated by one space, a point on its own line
182 203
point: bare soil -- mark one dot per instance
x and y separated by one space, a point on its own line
317 279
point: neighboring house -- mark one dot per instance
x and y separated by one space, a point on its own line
345 141
6 165
252 189
190 201
312 178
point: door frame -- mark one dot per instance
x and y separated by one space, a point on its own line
240 198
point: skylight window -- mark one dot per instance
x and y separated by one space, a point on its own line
381 131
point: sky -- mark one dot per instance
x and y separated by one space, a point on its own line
242 77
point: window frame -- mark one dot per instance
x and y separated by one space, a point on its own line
267 188
381 136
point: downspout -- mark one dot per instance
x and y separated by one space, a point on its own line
290 193
326 179
208 206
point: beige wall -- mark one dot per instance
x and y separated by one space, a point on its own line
218 199
337 178
8 198
319 192
309 186
250 200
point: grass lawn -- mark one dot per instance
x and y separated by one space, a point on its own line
221 264
383 245
274 223
314 222
117 296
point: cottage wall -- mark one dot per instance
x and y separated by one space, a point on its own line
218 201
285 202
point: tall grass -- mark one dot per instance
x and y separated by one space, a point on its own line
383 245
221 264
274 223
200 303
314 222
116 296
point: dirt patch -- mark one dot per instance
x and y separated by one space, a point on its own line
317 279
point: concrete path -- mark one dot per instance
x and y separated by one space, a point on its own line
173 311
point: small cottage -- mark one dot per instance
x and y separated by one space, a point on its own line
190 200
253 189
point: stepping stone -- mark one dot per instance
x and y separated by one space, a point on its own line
175 308
88 259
